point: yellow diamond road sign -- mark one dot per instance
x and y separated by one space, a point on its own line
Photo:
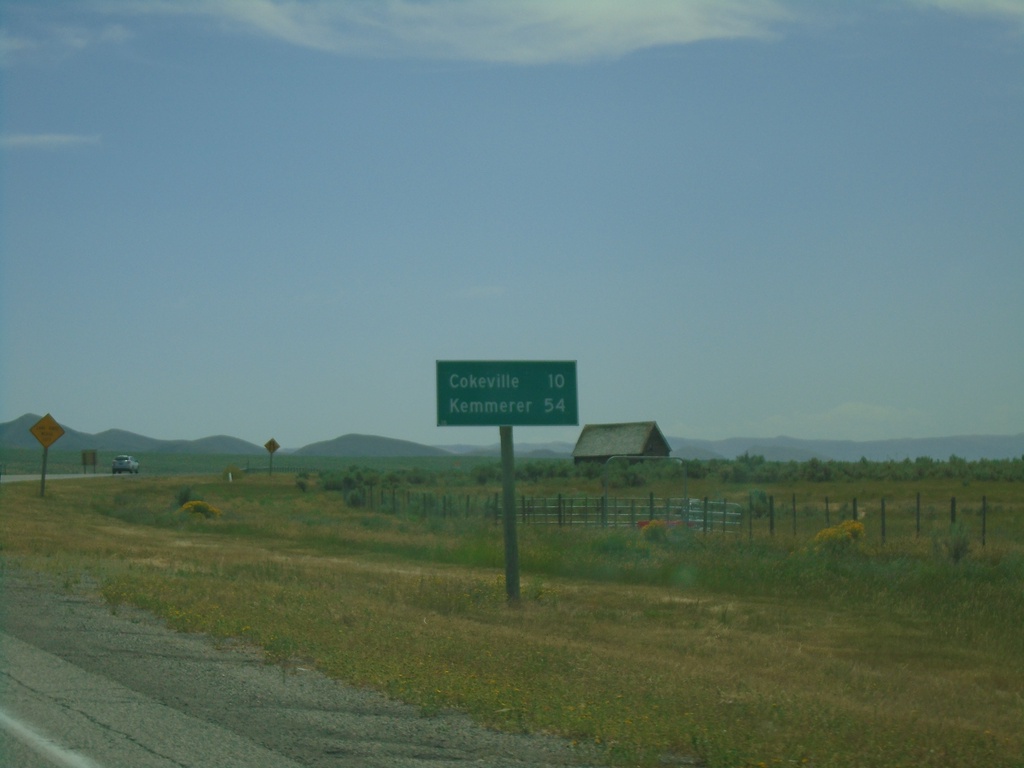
271 445
47 431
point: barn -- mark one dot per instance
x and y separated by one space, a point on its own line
599 442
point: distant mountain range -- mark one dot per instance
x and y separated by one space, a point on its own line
15 434
970 447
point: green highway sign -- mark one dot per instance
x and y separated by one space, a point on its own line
499 393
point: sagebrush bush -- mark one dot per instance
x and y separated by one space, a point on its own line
656 530
839 538
198 507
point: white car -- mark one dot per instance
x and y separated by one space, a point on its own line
124 463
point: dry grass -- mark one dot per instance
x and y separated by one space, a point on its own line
743 654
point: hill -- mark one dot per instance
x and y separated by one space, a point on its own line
368 446
970 447
15 434
554 450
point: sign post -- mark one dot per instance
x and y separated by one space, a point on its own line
505 394
47 431
271 446
508 504
89 460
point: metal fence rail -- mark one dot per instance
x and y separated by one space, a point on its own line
702 514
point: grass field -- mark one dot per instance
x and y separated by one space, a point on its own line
665 646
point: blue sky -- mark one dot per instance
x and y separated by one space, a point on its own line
745 218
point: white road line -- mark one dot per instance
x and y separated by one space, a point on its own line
43 745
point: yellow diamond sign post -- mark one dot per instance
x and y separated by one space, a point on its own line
47 431
271 446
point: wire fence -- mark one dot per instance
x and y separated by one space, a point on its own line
568 510
631 512
882 519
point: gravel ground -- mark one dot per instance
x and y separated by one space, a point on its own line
173 699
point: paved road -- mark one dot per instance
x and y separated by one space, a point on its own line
82 687
4 478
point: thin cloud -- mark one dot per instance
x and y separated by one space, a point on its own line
522 32
79 37
1008 9
58 40
13 44
46 140
526 31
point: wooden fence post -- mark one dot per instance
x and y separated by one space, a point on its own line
828 522
771 515
918 533
794 514
952 511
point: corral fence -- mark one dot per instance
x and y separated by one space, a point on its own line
566 511
881 520
762 514
701 514
783 518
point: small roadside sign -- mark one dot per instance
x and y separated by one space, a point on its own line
271 446
47 431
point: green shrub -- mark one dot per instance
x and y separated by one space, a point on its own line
231 472
955 545
185 495
486 473
758 503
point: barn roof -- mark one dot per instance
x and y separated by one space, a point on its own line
629 439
